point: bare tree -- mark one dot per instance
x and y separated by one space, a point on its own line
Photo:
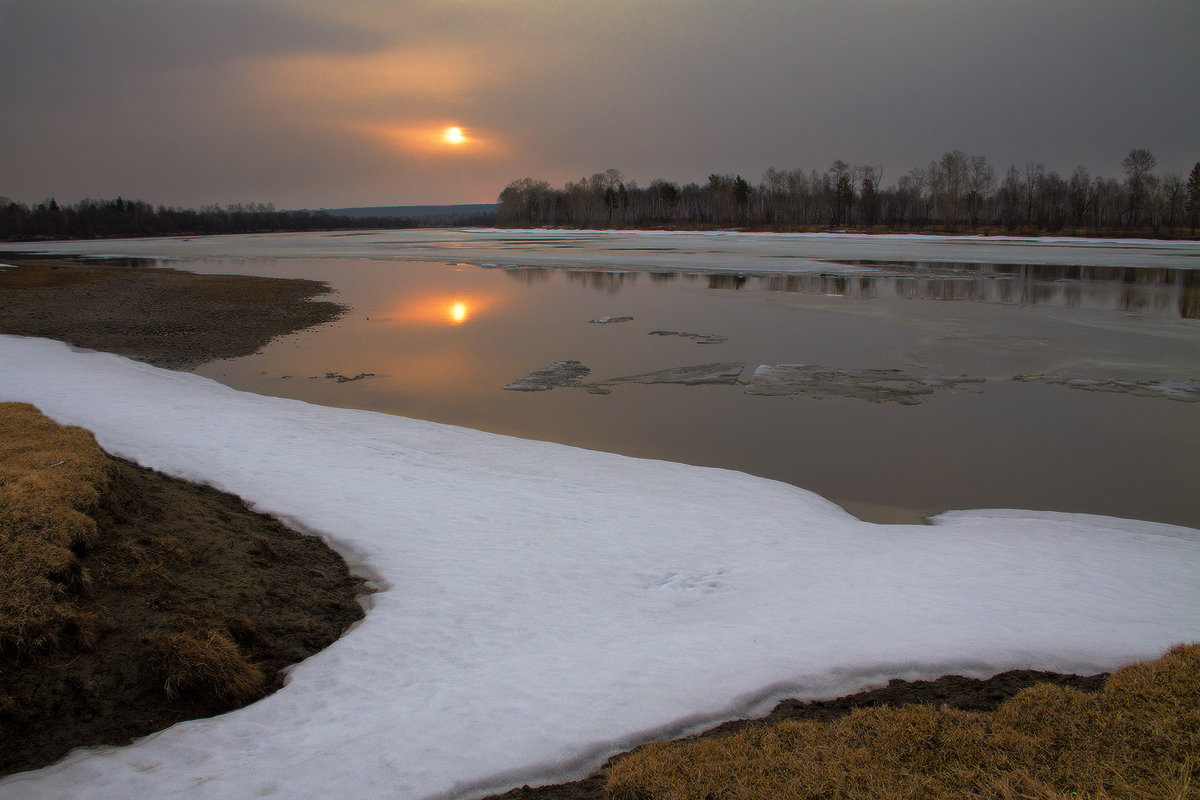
1138 166
915 188
1173 195
1079 195
981 182
952 171
1034 175
1009 196
869 179
1052 202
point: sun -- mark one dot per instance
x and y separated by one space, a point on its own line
453 135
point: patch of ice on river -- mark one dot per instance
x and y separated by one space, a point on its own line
609 320
696 375
698 338
800 380
874 385
804 380
340 378
1185 391
560 373
699 251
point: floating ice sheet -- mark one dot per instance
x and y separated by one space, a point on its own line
718 251
875 385
698 338
1184 391
560 373
724 373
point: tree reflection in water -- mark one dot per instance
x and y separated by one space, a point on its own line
1162 292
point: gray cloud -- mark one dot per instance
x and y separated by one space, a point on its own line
893 82
220 100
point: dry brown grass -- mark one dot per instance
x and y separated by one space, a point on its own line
193 603
203 659
1137 739
51 479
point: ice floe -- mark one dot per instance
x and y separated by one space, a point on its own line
721 373
777 380
875 385
1186 391
560 373
338 377
698 338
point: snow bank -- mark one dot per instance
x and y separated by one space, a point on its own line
544 606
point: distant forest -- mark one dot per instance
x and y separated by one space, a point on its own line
99 219
956 194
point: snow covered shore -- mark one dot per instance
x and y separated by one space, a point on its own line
578 601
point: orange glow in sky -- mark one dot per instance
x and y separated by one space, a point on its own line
432 139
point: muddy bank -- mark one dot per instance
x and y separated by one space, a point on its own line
172 557
165 317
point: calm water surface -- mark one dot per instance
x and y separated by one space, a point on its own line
440 341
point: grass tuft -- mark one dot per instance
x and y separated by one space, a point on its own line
1137 739
204 660
51 479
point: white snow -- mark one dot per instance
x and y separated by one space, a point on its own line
542 607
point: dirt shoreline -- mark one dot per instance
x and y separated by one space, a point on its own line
200 559
165 317
179 320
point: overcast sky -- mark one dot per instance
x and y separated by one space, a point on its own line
326 103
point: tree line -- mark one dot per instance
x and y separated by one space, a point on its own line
98 219
956 193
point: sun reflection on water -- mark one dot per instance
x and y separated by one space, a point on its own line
441 309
